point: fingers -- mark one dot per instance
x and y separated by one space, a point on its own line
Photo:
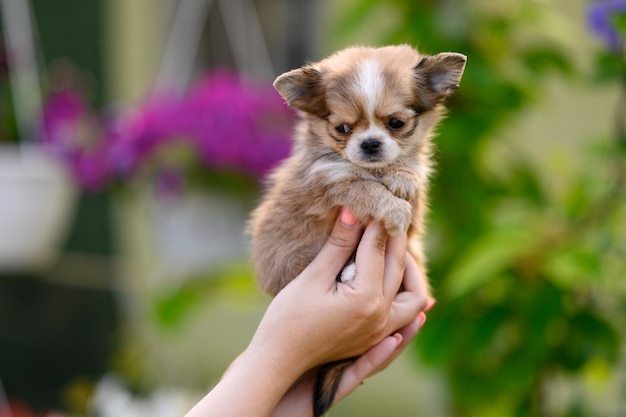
412 300
408 332
395 258
416 281
339 246
370 257
378 357
366 365
382 257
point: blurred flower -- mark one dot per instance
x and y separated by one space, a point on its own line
135 135
112 399
74 135
238 125
601 16
230 125
19 409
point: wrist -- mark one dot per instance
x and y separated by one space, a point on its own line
281 364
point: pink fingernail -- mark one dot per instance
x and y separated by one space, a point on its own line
431 304
422 317
347 218
398 338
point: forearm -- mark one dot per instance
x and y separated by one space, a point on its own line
252 386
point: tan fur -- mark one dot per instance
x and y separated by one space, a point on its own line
324 172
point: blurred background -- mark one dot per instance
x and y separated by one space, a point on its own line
133 139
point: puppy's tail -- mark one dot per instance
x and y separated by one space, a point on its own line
326 385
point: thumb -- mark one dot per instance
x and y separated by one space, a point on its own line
339 246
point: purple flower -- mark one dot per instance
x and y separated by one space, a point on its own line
229 123
91 169
600 17
237 124
70 132
134 135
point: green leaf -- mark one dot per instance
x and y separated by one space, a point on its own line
233 281
486 259
541 60
589 336
494 322
173 307
620 22
573 267
429 345
609 67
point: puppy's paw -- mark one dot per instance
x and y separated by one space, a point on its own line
402 184
348 273
397 217
406 191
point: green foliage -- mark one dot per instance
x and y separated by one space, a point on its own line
521 273
172 308
609 67
620 21
8 129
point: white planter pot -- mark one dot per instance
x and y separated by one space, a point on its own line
37 200
167 241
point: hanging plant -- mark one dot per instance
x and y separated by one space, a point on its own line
224 126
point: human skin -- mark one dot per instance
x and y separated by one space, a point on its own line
315 320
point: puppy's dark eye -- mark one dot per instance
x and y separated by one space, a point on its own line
395 124
343 129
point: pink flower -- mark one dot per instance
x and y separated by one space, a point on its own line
238 125
231 124
72 133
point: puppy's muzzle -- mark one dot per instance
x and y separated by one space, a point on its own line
371 147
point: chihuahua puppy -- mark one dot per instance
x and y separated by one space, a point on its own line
364 143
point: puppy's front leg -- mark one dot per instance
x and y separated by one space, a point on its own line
372 200
403 183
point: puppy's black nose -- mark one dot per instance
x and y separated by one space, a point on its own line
370 146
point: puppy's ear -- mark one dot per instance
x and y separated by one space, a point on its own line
302 89
438 76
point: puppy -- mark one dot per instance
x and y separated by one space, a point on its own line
364 143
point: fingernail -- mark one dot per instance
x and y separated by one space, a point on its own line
347 218
431 304
398 338
422 317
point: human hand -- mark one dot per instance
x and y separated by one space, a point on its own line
381 355
315 319
298 400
